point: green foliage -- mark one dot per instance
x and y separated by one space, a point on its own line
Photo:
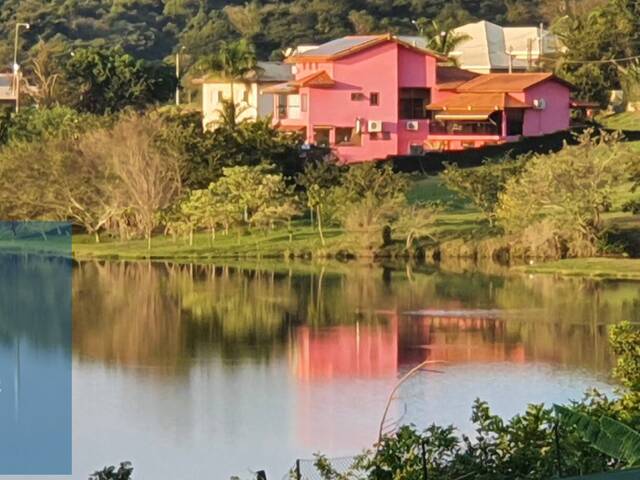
482 185
107 80
625 342
567 192
123 472
608 31
39 124
609 436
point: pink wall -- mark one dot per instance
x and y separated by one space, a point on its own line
555 116
360 73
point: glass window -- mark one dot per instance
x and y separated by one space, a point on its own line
322 136
374 99
245 96
413 103
304 102
347 136
220 96
357 96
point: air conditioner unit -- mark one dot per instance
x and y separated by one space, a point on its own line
374 126
412 125
539 104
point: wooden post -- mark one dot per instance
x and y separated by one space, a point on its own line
298 474
425 471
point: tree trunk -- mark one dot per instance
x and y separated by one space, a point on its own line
319 220
149 240
191 237
409 240
311 216
213 234
96 236
246 214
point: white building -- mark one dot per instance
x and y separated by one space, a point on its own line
248 93
492 48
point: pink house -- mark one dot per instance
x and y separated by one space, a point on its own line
371 97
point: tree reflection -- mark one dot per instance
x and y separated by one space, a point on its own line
164 316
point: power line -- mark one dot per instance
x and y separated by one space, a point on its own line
610 60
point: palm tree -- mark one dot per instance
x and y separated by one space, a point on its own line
443 40
234 61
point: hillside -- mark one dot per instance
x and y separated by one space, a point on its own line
153 29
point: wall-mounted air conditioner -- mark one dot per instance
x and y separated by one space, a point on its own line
539 104
374 126
412 125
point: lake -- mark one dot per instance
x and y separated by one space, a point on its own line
209 371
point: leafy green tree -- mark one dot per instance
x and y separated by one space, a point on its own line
109 80
369 198
234 60
482 185
571 189
317 179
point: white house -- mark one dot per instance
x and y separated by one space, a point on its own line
248 93
492 48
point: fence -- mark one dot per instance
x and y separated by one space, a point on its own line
306 469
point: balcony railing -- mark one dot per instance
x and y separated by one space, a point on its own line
288 112
464 128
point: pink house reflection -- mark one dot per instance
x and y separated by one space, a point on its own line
328 362
379 350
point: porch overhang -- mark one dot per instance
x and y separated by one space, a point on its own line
475 115
286 88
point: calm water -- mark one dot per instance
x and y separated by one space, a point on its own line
210 371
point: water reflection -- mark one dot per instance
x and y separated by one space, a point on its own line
237 356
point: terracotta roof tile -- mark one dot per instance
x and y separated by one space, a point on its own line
507 82
479 102
318 79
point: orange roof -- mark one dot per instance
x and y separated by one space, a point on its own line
349 45
507 82
318 79
478 102
450 78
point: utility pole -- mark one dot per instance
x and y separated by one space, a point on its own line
16 67
540 45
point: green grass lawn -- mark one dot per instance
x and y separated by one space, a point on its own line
248 245
621 121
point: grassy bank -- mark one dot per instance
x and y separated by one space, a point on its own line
621 268
304 242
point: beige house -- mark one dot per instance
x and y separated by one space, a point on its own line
249 95
491 48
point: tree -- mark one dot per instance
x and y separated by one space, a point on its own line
147 179
318 178
107 80
415 221
234 60
441 39
482 185
46 72
569 189
369 199
256 195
